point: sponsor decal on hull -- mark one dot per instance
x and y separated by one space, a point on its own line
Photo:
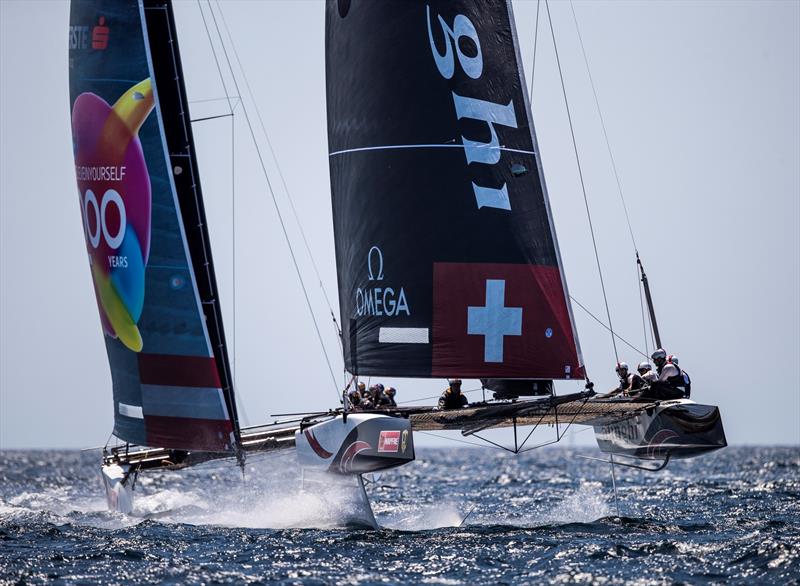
315 445
389 441
353 450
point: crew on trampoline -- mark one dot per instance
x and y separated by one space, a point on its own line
646 372
355 399
452 398
672 382
386 398
630 383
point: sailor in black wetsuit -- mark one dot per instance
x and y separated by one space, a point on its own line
368 398
355 399
687 387
670 383
386 398
451 397
629 383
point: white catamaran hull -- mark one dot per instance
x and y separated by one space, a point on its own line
670 429
356 444
336 452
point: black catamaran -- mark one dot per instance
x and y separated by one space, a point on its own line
447 258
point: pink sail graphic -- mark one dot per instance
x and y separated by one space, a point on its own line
115 197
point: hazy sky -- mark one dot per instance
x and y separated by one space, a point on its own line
702 105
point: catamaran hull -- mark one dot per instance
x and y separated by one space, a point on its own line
358 444
119 492
672 429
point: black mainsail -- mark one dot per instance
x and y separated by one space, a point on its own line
447 258
145 228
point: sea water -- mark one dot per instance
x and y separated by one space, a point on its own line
454 516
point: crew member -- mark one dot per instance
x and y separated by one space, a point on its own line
646 372
629 383
387 398
377 394
451 397
355 399
672 359
670 383
367 399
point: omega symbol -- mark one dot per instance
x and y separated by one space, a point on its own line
372 276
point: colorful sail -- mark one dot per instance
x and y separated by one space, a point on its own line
145 229
447 258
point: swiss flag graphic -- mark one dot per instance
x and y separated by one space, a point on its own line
501 320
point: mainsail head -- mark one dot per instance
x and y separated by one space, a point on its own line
447 259
145 228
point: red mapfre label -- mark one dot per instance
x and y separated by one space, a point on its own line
389 441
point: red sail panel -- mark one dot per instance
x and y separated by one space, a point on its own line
180 371
207 435
501 320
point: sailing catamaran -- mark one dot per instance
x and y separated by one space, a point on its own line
447 259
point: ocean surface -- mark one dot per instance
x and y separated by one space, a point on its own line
542 517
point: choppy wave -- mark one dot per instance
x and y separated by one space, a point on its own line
460 516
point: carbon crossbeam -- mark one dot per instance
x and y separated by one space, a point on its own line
266 438
547 411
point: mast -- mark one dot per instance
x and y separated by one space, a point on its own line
649 299
145 229
446 255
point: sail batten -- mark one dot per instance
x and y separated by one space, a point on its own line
145 228
446 254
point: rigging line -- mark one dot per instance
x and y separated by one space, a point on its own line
435 397
610 156
277 208
231 108
233 253
615 334
560 436
280 172
583 184
214 53
535 40
211 99
193 120
603 125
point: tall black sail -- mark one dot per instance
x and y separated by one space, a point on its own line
447 258
145 228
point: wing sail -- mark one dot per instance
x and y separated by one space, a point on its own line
145 228
447 259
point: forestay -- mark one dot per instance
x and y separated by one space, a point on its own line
447 259
145 228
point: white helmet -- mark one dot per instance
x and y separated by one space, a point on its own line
644 367
659 354
673 359
622 366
